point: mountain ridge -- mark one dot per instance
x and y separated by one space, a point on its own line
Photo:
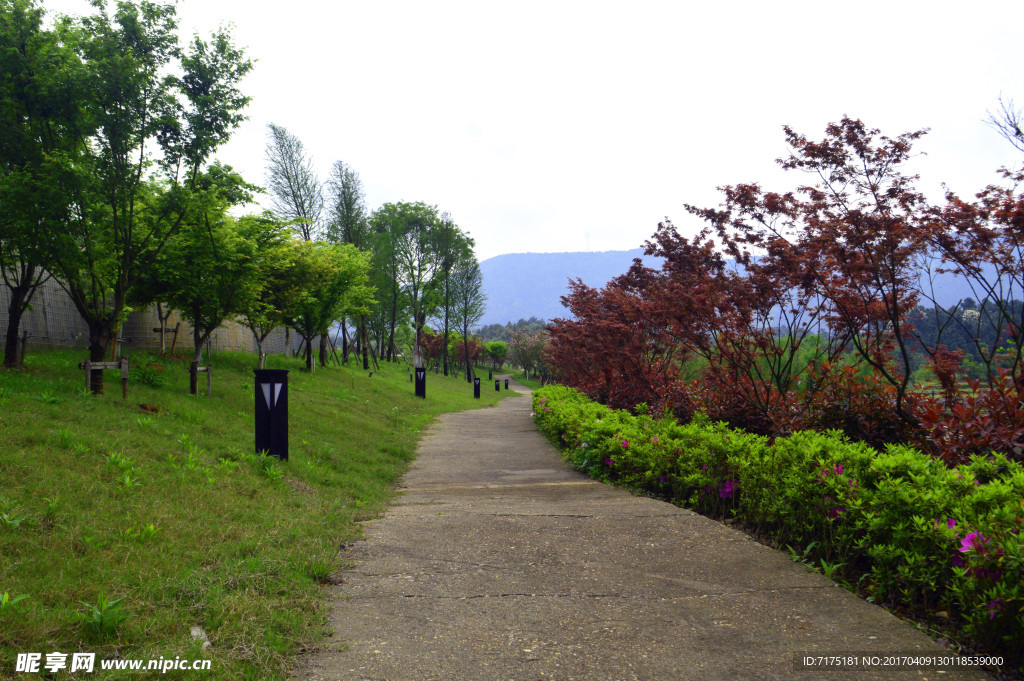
524 285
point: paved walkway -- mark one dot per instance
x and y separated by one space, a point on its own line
500 562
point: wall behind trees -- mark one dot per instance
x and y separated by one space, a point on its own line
53 321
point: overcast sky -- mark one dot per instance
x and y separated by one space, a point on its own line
569 126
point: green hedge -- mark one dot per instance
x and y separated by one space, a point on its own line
903 529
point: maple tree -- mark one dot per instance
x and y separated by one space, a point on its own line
853 243
800 309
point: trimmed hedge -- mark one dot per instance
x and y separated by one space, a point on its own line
901 528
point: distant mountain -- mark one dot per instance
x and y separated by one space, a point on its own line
523 285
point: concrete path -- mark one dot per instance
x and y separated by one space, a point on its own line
500 562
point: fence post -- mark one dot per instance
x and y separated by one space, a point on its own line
20 352
124 377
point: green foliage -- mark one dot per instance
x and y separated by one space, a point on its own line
497 352
325 282
114 148
101 618
909 531
148 375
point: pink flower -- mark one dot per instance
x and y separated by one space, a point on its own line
973 541
654 439
625 444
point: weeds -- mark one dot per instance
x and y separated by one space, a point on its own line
47 397
119 461
8 604
65 437
101 618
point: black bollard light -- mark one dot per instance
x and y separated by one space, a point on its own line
421 382
497 385
476 388
490 374
272 412
506 384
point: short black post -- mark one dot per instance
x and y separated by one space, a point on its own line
421 382
490 374
506 384
497 385
476 388
272 412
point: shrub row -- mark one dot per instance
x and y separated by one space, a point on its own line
907 531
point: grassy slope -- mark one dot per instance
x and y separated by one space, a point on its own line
173 512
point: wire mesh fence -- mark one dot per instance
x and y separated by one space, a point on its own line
54 321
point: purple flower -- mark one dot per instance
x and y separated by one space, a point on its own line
950 523
973 541
728 488
662 479
835 512
625 444
654 439
994 607
609 461
838 468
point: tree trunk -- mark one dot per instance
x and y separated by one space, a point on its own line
364 343
19 300
447 359
309 353
323 350
344 342
198 338
100 336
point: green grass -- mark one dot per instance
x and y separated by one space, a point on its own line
126 528
532 383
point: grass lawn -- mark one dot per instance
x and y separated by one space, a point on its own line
171 513
532 383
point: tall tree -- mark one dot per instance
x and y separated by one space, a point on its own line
452 247
348 224
405 257
143 116
348 221
35 70
295 189
467 292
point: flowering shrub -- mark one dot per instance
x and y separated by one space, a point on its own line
909 531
